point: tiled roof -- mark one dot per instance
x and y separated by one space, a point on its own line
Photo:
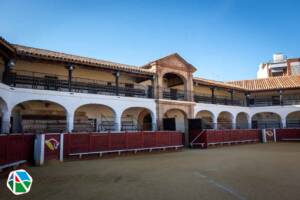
63 57
272 83
217 83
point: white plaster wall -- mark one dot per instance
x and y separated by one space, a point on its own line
262 71
72 101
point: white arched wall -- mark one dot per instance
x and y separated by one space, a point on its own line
293 119
71 101
33 108
202 114
242 121
97 112
134 112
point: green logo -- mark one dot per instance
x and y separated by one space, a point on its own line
19 182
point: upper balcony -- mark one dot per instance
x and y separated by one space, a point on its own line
44 81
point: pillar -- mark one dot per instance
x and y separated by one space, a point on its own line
215 123
118 122
249 123
117 75
212 95
233 122
280 98
5 122
70 70
231 96
70 121
283 122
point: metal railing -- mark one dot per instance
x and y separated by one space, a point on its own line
293 124
44 81
173 94
222 100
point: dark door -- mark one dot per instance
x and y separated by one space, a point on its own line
169 124
194 127
195 124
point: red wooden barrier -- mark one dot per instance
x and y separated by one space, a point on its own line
89 142
287 134
225 136
15 148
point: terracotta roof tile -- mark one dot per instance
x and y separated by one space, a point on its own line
217 83
58 56
272 83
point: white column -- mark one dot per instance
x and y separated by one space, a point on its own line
5 122
249 123
233 122
283 122
70 121
118 121
154 125
215 123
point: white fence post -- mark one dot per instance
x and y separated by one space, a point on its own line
61 148
39 149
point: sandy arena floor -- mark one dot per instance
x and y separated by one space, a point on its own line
254 171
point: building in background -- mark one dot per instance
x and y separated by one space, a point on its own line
279 66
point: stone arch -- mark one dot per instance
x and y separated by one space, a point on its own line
242 120
180 118
225 120
133 119
36 116
293 119
174 86
207 117
261 120
94 117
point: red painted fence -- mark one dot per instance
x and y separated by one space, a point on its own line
287 134
93 142
16 147
225 136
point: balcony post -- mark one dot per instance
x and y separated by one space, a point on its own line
280 97
212 95
117 75
231 96
247 95
9 64
70 68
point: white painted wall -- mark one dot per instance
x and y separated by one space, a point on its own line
72 101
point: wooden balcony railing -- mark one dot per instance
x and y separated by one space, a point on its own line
25 79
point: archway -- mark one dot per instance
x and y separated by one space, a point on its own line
207 118
94 118
179 118
225 120
266 120
174 87
293 120
38 116
242 121
137 118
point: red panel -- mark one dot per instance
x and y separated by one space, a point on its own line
16 147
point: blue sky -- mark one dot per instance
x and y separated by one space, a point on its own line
225 40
